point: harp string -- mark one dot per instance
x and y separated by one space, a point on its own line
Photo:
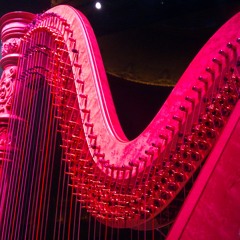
62 195
73 199
25 87
51 163
22 157
29 104
47 143
30 114
35 122
61 211
60 184
18 160
5 181
39 156
11 204
59 202
4 171
45 161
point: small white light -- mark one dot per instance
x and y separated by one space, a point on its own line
98 5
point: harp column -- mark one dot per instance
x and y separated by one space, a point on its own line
13 26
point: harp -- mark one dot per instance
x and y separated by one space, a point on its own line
98 184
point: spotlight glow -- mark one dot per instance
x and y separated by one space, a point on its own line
98 5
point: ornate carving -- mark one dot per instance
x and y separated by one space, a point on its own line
6 88
11 46
4 136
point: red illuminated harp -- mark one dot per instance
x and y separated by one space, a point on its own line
98 184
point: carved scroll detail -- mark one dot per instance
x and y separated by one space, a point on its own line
6 88
10 46
5 138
